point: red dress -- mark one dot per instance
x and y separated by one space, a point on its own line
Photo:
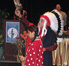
34 54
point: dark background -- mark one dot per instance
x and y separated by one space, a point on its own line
34 8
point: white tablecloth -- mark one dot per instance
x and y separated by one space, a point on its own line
61 54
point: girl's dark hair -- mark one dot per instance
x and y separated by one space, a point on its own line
33 28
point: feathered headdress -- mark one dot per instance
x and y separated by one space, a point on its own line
17 4
52 19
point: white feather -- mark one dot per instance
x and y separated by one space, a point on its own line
60 16
53 21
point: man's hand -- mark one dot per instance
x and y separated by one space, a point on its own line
50 48
44 49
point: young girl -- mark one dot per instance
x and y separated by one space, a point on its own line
34 53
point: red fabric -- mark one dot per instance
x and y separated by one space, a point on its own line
30 24
35 54
28 41
48 21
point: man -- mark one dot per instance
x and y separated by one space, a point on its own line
48 38
64 15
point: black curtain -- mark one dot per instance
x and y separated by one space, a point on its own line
35 8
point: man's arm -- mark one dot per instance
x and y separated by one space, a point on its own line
51 48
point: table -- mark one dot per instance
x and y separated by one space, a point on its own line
61 54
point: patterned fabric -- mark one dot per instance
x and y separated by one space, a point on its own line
34 54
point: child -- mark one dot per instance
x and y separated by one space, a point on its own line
34 53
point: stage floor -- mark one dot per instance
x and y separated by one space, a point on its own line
9 63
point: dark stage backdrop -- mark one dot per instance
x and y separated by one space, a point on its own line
35 8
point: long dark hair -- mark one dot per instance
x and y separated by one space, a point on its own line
33 28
